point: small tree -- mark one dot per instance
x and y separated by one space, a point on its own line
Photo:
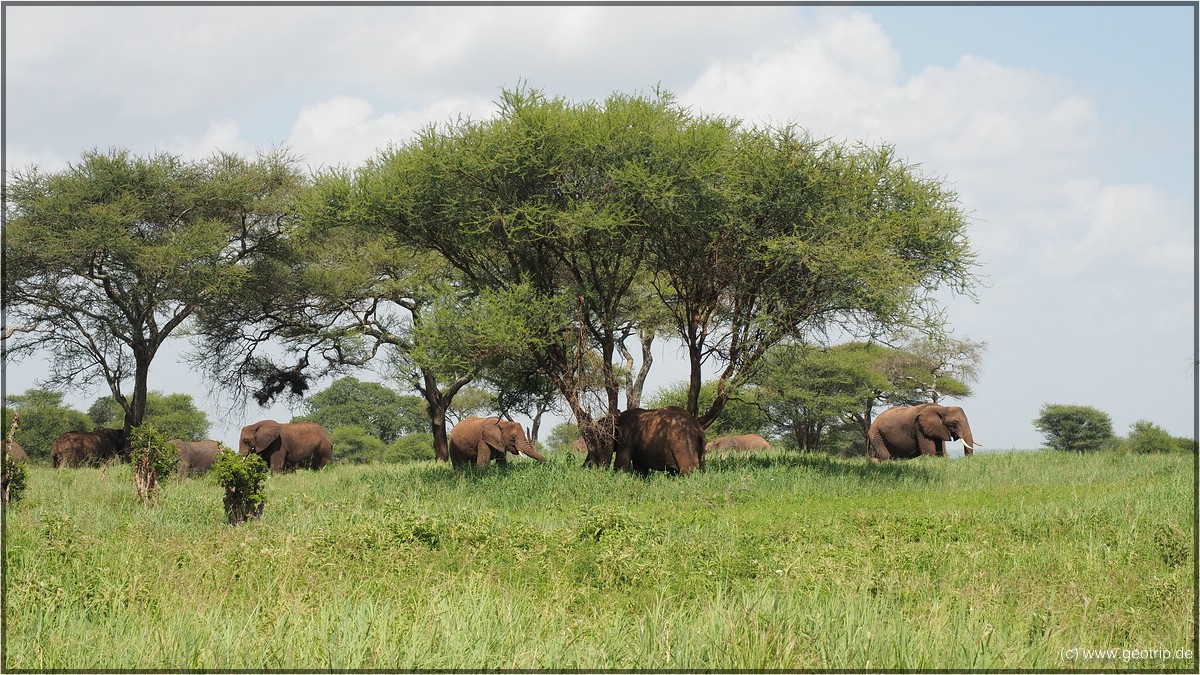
242 478
356 445
1146 437
43 418
12 472
1074 428
173 415
154 459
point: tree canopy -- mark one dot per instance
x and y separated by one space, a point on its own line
107 259
44 418
373 407
1074 428
173 415
524 250
748 236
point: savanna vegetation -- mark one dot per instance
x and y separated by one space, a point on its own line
521 253
779 560
516 265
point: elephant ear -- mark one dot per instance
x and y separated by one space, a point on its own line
930 423
493 435
265 434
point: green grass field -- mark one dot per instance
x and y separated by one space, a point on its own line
1007 560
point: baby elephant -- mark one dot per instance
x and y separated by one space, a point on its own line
196 457
746 442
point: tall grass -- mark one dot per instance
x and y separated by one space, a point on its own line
766 561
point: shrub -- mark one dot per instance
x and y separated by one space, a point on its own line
1185 444
562 436
356 445
12 478
1075 428
409 448
1146 437
242 478
154 459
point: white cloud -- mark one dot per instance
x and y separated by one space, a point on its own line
1017 145
1120 231
344 130
223 136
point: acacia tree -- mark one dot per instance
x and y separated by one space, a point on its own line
927 367
805 390
816 237
342 293
541 198
106 260
751 236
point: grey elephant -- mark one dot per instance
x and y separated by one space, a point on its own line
905 432
666 439
76 448
747 442
15 451
286 447
480 440
196 457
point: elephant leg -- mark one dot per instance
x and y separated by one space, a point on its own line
877 449
483 454
928 446
276 462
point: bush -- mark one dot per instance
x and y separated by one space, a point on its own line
1146 437
562 436
1075 428
242 478
12 478
356 445
154 459
410 448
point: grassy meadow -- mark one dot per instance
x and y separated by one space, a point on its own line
774 561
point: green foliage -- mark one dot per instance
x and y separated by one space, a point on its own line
741 415
154 458
173 415
807 392
13 478
243 479
1074 428
43 419
370 406
410 448
766 562
562 436
751 235
1146 437
106 259
356 445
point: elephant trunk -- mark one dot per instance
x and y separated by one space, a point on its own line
530 452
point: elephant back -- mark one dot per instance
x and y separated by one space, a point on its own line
666 439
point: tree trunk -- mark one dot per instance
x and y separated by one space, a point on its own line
439 402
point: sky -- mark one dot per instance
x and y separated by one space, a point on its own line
1068 134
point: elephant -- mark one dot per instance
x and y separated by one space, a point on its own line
664 439
196 457
88 447
286 447
905 432
16 452
742 442
482 439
